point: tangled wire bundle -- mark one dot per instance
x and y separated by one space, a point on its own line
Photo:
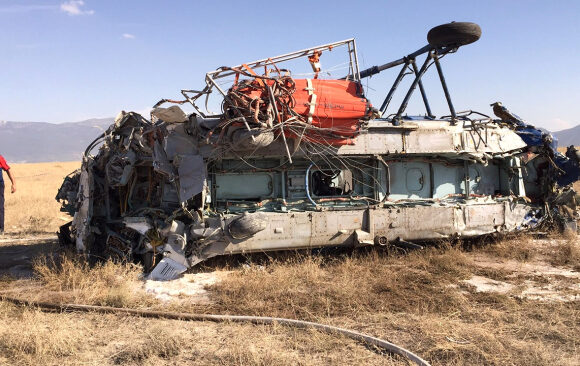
261 100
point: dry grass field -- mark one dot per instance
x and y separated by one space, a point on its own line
434 302
32 209
421 300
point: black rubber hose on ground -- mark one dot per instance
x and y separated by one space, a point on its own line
390 347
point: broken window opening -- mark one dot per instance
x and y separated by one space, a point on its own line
331 183
352 183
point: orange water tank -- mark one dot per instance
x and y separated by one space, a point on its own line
337 105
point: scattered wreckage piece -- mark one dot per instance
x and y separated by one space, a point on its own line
302 163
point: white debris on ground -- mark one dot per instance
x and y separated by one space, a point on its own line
484 284
190 287
531 268
533 280
551 292
529 289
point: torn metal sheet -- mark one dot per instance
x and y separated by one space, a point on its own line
173 114
167 269
191 171
302 162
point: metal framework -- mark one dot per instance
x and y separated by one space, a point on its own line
222 72
409 62
410 67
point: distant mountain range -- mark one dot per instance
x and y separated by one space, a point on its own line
568 137
32 142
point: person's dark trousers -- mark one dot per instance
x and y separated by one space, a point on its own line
1 206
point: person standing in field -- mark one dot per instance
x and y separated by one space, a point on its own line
5 168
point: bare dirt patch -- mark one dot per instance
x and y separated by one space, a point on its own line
16 255
541 274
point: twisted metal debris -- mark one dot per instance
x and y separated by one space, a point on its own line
295 163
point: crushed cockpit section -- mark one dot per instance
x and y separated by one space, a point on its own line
301 162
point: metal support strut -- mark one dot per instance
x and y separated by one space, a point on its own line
418 77
389 96
445 90
422 89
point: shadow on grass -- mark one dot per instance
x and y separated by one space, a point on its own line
16 258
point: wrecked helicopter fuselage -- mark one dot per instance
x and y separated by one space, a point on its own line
295 163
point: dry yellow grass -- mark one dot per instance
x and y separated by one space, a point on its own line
69 278
568 252
415 300
33 209
30 337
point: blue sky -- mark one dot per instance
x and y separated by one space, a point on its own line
66 60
